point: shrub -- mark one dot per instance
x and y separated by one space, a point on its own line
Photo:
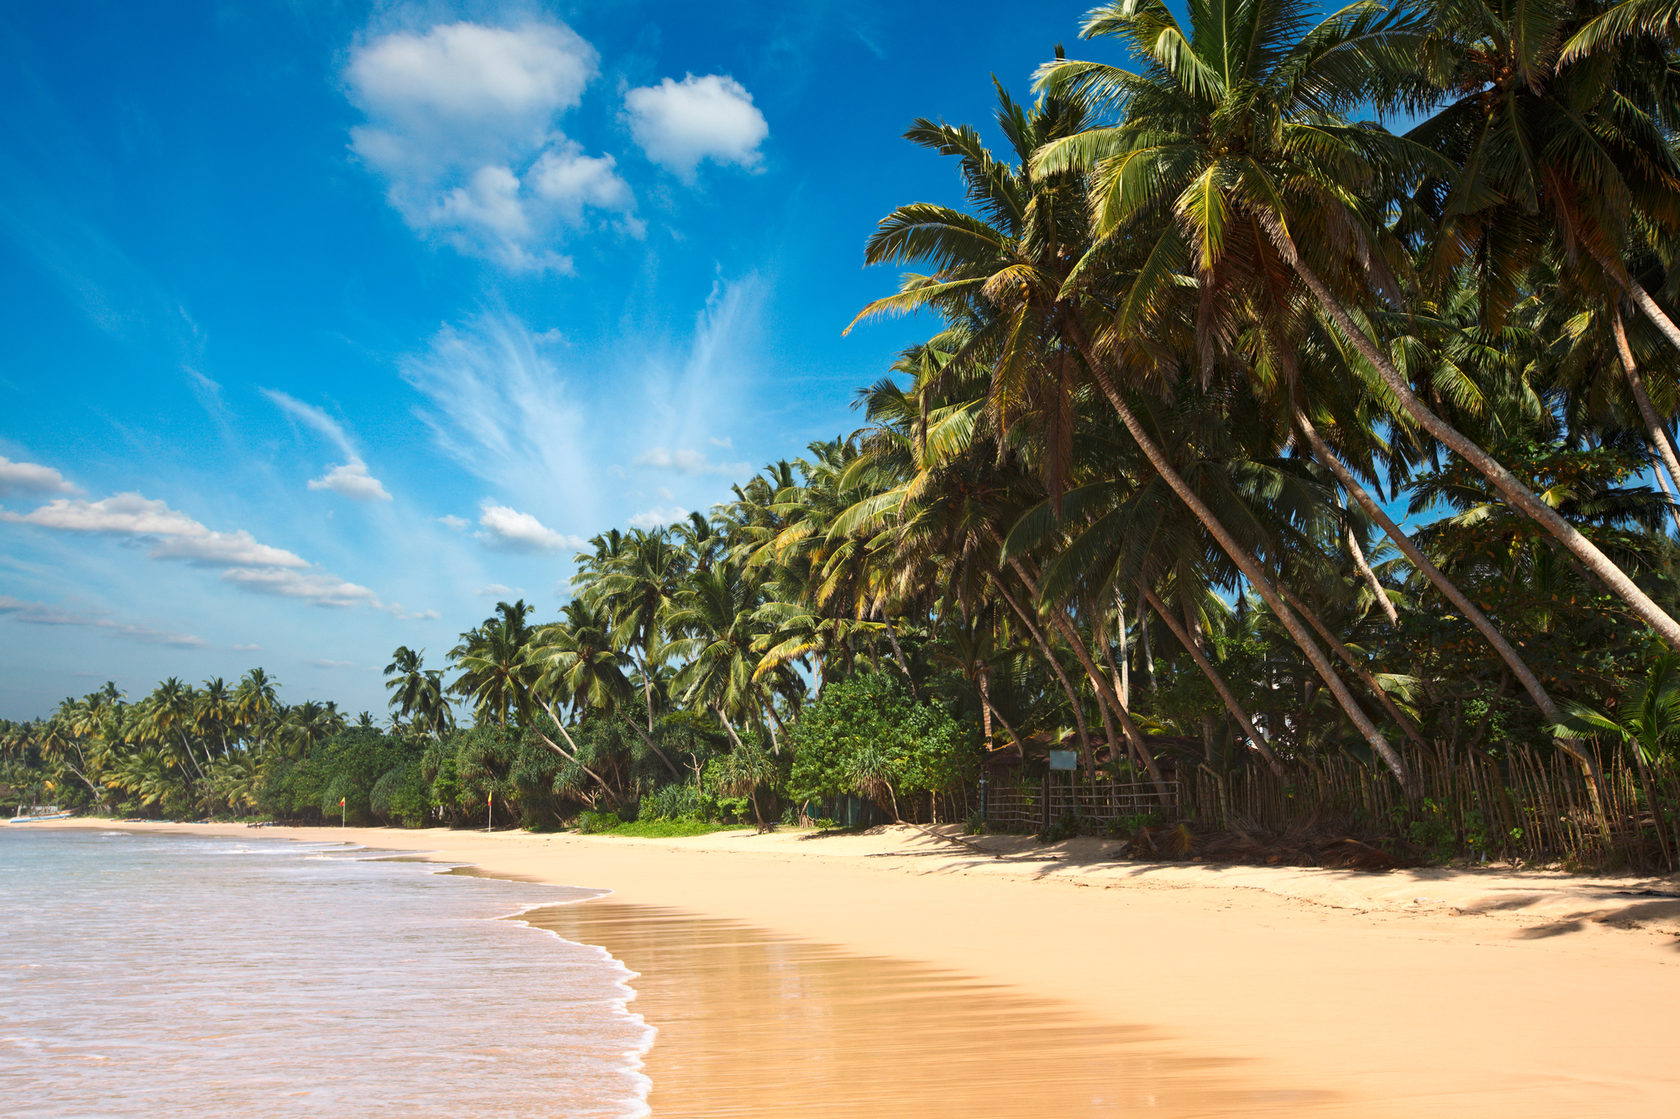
672 802
865 735
594 823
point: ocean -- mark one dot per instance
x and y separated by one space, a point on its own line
146 975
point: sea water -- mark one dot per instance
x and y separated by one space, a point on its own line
145 974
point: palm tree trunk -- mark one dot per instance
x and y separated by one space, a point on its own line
647 739
728 727
898 655
1517 494
1345 655
1659 433
1106 697
571 755
1123 684
1146 655
1364 569
1247 564
1193 647
1641 298
984 689
647 691
1050 657
1461 602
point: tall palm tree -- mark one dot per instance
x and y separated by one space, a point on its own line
416 692
495 677
1230 155
1021 268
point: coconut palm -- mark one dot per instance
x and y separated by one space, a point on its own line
1021 269
1230 155
495 677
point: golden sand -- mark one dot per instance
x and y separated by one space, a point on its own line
897 973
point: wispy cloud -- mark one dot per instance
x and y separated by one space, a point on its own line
451 521
41 614
350 478
689 462
500 407
510 530
657 517
30 479
710 117
463 126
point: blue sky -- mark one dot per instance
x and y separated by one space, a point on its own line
324 326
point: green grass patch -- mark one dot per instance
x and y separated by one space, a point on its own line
669 829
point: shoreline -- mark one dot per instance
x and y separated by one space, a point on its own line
1531 994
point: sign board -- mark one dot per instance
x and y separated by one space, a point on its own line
1064 759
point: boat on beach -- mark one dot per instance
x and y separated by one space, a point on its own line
31 813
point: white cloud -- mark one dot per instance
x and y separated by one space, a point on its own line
351 478
40 614
245 562
513 531
462 123
353 481
172 534
496 590
679 124
247 648
658 518
451 521
315 419
317 588
689 462
30 478
501 409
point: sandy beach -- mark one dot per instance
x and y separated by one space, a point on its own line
1051 980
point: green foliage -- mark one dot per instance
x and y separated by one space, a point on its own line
672 802
401 796
668 829
865 735
590 822
347 765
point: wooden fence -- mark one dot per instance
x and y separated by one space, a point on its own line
1529 805
1091 805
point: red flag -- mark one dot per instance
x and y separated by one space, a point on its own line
341 802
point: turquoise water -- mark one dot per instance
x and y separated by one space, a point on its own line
187 976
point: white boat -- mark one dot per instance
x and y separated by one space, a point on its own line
39 812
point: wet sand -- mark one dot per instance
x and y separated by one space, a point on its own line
755 1024
1182 990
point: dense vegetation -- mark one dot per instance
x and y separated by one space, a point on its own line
1248 431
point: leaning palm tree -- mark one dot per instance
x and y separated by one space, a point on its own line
1229 157
1023 271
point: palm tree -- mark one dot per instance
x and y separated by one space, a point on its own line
635 589
1230 156
495 677
714 621
1019 268
416 692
